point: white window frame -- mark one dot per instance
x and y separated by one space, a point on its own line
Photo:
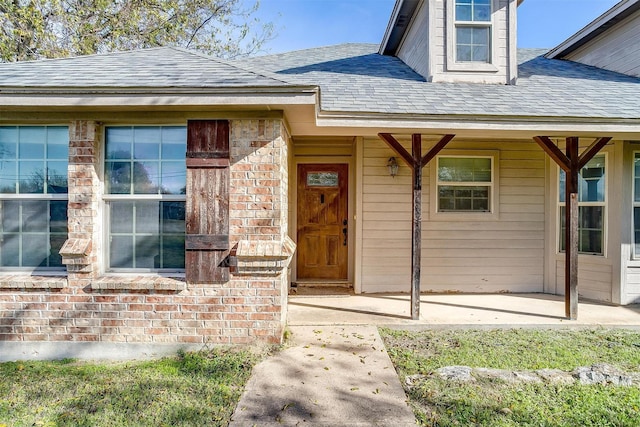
603 204
452 25
494 200
49 197
634 204
108 198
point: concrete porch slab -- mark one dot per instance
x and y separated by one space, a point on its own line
464 310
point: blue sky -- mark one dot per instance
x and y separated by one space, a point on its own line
303 24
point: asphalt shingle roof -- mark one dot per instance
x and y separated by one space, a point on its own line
355 78
157 67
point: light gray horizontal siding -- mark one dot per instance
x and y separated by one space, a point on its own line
633 286
594 279
414 50
616 50
504 254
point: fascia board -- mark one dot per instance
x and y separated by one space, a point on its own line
393 34
141 90
127 99
562 125
392 22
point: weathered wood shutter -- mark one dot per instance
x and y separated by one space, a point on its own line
207 216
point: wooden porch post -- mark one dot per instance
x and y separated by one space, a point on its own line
416 162
571 163
571 246
416 220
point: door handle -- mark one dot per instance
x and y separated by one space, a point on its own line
344 232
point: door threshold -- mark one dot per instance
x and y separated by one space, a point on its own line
318 288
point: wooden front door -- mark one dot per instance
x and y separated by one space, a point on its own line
322 221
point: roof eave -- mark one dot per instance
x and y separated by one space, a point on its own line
629 127
596 27
160 90
398 24
131 97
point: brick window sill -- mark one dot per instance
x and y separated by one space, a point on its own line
139 283
27 281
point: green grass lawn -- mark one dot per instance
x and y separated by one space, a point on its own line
438 402
191 389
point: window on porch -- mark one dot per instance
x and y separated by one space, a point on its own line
591 207
636 205
465 184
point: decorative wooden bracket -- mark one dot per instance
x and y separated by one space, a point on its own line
563 160
416 162
571 163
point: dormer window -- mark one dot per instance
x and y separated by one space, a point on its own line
470 34
473 30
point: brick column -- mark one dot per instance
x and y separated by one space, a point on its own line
256 306
81 251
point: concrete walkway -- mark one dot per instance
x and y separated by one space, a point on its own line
329 376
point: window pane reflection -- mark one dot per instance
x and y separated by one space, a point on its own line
32 232
155 240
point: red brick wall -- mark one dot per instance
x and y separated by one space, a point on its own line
88 305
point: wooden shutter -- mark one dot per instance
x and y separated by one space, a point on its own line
207 216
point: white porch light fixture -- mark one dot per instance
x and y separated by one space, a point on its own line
392 165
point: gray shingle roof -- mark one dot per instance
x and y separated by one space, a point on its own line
355 78
156 67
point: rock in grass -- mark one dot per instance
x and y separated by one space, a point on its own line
495 374
555 376
527 377
455 373
602 373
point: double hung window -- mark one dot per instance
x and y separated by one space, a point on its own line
636 205
465 184
145 178
472 30
33 196
591 207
